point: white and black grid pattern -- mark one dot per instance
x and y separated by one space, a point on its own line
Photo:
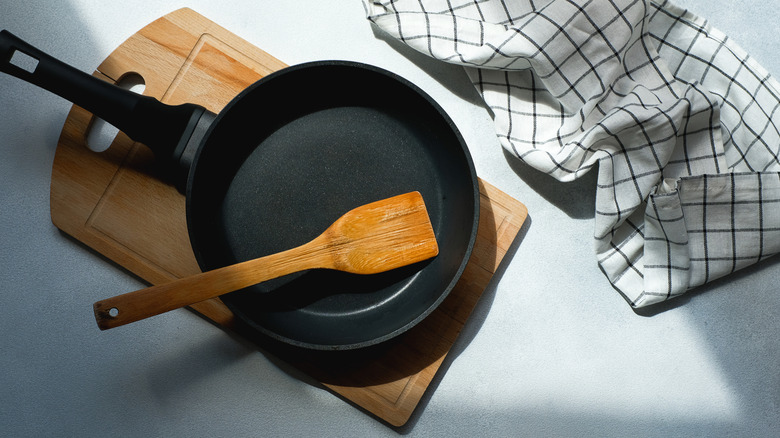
680 122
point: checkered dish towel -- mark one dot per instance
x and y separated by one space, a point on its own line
681 122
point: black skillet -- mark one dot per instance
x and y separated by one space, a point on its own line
281 162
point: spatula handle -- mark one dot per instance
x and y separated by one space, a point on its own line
154 300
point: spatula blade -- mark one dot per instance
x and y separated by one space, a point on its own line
383 235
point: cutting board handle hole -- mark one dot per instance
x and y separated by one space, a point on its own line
101 134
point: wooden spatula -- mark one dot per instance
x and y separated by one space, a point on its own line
373 238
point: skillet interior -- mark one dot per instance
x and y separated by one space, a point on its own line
294 152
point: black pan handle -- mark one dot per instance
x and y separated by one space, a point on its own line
164 128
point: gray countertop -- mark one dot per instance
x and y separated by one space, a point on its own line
551 349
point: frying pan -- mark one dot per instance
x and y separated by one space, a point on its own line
284 159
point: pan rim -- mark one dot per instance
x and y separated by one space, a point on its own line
467 162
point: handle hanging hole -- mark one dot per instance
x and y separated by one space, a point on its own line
24 61
113 312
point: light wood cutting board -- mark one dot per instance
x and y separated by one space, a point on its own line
116 203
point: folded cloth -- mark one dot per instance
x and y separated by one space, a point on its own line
681 122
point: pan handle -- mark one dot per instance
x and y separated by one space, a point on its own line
164 128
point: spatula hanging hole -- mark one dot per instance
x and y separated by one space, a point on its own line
101 134
24 61
113 312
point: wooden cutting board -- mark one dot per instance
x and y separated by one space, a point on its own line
116 203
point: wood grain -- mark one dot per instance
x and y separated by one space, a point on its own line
117 203
372 238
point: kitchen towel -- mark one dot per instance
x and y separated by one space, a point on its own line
680 123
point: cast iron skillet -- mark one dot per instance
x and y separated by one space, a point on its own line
281 162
